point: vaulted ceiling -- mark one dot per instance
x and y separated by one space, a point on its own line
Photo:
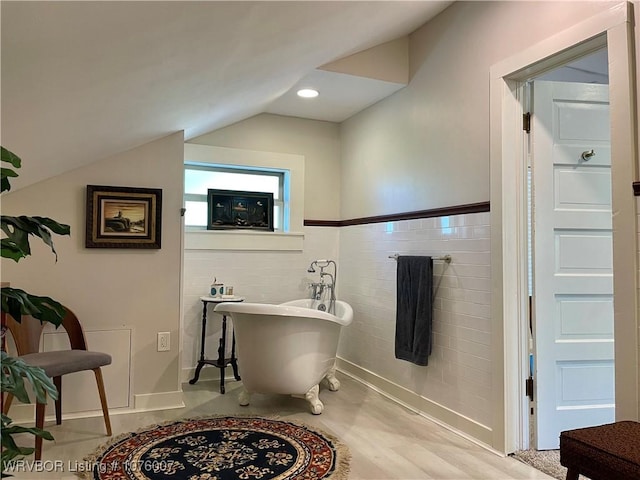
84 80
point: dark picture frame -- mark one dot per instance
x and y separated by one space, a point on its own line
236 209
123 217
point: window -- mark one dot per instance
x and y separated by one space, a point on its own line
198 178
290 166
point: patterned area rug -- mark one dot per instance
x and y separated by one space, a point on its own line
221 448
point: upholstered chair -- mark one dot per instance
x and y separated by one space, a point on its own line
26 336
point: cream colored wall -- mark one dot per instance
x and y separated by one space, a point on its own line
427 146
112 288
388 62
318 141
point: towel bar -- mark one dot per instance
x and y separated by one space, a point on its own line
444 258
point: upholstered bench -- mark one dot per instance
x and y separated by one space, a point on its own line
605 452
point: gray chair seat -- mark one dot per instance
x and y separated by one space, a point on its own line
61 362
27 335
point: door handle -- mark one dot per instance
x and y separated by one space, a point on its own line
587 154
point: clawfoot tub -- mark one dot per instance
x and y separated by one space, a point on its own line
288 348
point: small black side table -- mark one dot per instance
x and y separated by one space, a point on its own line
221 362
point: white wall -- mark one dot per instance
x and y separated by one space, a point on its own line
458 376
318 141
427 146
112 289
265 277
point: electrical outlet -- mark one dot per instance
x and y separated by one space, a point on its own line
164 341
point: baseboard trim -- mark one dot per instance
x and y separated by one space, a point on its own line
21 413
158 401
25 413
443 416
208 373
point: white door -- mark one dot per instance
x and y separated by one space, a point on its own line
572 258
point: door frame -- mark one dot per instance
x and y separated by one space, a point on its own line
612 28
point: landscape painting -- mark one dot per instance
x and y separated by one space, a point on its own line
123 217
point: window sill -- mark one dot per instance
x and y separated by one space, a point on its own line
243 240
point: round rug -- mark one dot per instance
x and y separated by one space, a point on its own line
221 448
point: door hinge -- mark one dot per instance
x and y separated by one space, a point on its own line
529 388
526 122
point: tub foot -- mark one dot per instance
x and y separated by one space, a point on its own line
312 396
244 397
332 381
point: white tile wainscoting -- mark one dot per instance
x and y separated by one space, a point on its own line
259 276
458 377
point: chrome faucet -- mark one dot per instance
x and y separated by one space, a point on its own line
317 289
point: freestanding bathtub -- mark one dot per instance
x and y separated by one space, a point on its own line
288 348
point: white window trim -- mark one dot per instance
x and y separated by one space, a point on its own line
250 240
280 198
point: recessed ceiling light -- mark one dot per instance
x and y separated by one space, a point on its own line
308 93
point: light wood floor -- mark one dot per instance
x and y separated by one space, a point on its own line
386 440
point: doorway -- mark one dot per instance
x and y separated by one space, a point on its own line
611 30
568 156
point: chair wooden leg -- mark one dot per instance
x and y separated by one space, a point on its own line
572 474
57 381
103 400
40 409
39 424
7 403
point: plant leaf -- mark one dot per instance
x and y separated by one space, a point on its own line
10 157
13 372
9 250
10 454
5 185
10 449
16 244
6 173
55 227
38 432
7 426
18 229
17 302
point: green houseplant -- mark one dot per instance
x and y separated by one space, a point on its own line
17 302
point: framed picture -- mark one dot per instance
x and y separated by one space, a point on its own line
230 209
123 217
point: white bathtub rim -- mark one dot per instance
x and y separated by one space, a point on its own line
286 311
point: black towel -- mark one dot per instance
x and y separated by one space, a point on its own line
414 309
